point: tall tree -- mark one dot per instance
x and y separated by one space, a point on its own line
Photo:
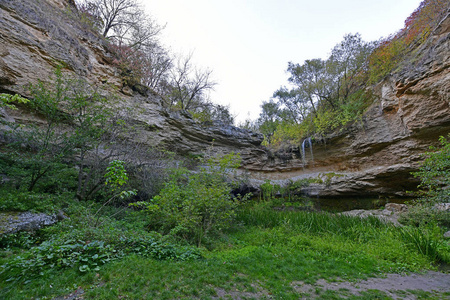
269 118
123 21
348 60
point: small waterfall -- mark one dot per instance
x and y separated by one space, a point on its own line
307 142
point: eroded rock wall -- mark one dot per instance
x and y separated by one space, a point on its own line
36 36
372 157
376 155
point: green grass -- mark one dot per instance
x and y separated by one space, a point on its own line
260 257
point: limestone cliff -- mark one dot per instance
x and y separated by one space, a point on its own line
38 35
371 157
375 156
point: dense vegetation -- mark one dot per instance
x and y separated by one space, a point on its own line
188 236
327 95
169 227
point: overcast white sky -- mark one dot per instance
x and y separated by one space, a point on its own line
248 43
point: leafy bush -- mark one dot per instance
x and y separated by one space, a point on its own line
50 255
195 205
89 255
420 215
76 243
269 190
435 174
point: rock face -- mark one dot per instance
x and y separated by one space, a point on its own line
13 222
38 35
371 157
375 156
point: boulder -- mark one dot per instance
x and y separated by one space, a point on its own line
12 222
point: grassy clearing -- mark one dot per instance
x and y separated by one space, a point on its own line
260 257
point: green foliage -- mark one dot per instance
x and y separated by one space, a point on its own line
347 113
292 133
75 121
115 179
75 243
264 253
88 256
22 240
49 256
116 175
385 58
195 205
428 241
14 200
269 190
435 174
78 122
7 99
420 215
16 170
268 118
328 95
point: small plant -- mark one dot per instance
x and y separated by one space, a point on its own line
426 239
269 190
115 178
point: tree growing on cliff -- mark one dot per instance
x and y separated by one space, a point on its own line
123 21
188 85
435 174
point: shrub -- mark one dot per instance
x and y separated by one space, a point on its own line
420 215
269 190
435 174
195 205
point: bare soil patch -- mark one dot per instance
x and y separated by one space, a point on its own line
395 286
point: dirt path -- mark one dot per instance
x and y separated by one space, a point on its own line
434 285
394 286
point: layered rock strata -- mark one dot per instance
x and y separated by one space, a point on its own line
376 155
372 157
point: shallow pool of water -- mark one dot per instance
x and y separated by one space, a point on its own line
346 204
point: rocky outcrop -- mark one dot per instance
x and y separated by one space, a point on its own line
12 222
38 35
371 157
376 155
